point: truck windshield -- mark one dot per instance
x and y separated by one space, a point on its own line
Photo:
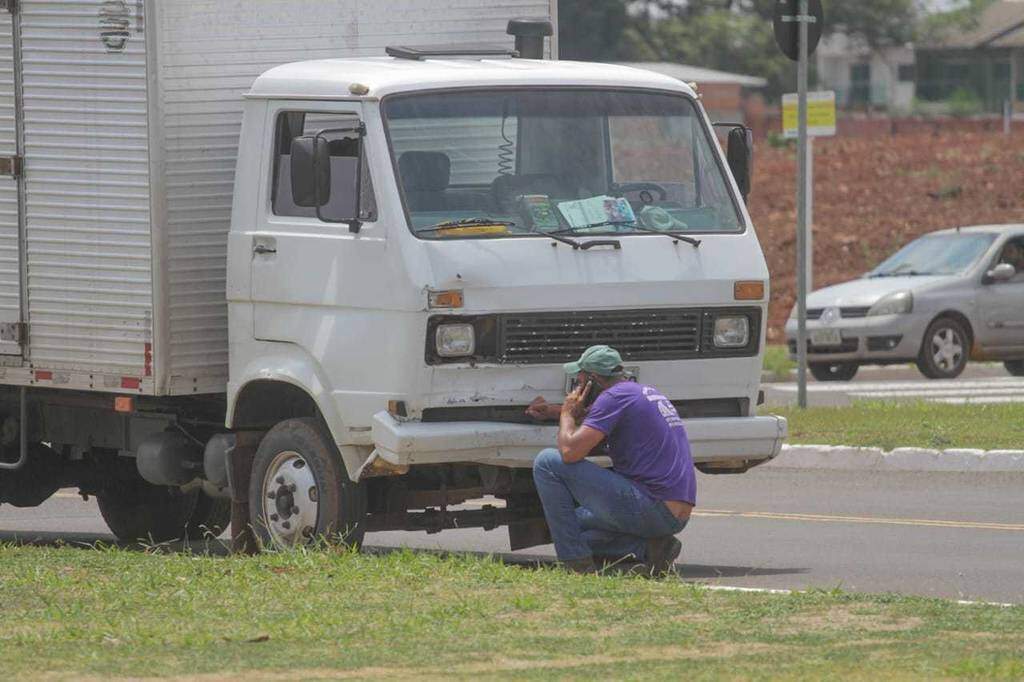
477 164
939 254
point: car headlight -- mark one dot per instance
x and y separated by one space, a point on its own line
899 303
732 332
455 340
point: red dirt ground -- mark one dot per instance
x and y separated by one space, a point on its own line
872 195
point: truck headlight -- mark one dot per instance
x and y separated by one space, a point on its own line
899 303
455 340
732 332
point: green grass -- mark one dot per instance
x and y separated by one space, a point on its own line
71 613
776 361
891 425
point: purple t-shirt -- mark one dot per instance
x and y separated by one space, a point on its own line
646 440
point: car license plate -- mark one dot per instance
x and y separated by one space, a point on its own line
826 337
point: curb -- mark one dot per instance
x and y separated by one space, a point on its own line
846 458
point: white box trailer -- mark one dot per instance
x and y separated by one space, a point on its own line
119 124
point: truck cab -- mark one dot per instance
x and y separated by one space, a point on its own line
419 241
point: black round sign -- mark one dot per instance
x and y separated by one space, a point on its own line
787 26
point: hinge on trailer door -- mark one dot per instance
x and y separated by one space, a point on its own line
14 332
9 5
13 166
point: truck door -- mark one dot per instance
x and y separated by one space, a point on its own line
305 263
11 189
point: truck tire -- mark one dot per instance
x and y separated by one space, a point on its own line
1015 367
300 490
945 349
839 371
139 511
210 517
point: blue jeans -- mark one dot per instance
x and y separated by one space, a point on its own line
614 518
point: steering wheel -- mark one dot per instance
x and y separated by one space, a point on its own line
641 187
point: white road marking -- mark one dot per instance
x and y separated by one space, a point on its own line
997 390
765 590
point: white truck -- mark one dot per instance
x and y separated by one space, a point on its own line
329 294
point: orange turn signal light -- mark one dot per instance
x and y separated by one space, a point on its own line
446 299
748 291
124 404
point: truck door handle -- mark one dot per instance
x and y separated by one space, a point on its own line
263 249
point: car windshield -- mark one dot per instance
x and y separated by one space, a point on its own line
937 254
509 163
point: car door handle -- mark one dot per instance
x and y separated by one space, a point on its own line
263 249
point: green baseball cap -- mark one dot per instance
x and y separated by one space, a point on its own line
602 360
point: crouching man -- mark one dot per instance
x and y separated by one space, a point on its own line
634 510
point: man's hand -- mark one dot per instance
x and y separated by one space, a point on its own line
575 402
542 410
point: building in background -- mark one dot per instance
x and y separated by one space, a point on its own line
982 67
864 78
728 97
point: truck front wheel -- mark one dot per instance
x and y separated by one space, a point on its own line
300 490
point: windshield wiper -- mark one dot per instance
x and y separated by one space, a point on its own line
674 236
907 273
467 222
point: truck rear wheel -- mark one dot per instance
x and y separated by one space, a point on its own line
209 518
301 491
137 510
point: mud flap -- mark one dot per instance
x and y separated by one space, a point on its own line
530 533
239 466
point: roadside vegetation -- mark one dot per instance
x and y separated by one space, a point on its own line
777 362
114 612
889 425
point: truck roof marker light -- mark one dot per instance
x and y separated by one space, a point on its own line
446 299
124 403
748 291
359 89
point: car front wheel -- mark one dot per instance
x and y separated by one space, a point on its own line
945 349
1015 367
838 371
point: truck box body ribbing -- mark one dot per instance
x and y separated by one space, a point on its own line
127 116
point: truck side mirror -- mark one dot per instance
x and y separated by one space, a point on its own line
740 153
311 171
1003 272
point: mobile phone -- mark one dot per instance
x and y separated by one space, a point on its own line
590 394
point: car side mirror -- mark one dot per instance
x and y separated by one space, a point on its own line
311 171
1003 272
740 154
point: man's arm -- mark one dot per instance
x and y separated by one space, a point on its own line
574 441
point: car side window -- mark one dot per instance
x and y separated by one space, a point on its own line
1013 253
346 155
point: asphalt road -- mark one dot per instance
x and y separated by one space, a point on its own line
940 535
979 384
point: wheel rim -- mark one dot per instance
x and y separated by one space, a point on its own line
947 349
290 499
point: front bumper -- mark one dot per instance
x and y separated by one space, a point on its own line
865 339
720 440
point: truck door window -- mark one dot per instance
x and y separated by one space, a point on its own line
343 150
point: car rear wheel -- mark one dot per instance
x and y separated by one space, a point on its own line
1015 367
837 371
945 349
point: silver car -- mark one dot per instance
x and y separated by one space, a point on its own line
941 300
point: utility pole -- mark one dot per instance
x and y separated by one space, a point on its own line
802 196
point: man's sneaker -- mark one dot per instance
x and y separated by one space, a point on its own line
584 566
662 553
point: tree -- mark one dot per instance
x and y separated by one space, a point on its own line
592 30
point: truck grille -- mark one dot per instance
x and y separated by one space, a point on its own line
636 334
